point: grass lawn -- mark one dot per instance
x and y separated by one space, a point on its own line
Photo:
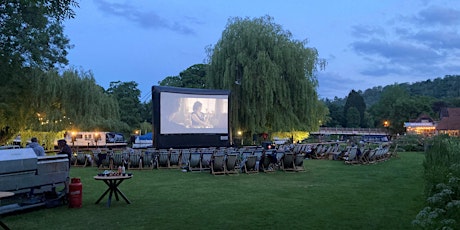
329 195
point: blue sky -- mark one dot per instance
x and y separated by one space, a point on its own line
366 43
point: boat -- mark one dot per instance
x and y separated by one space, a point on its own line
95 139
143 141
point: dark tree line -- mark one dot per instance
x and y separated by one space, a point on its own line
397 103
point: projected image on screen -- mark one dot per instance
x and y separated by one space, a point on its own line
190 113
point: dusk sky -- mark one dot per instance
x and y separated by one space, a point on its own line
366 43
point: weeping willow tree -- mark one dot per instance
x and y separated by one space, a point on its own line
271 77
52 102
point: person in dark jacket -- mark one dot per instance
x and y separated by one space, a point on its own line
65 149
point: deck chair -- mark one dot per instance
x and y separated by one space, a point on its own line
230 163
174 158
205 163
148 161
394 153
298 162
258 153
163 159
249 166
117 159
194 163
81 159
135 161
243 157
279 157
218 164
267 163
351 157
104 160
362 159
185 158
287 162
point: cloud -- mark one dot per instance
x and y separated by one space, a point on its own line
336 84
438 39
397 52
438 15
146 19
367 31
425 43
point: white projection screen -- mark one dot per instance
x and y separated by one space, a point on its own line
186 117
177 114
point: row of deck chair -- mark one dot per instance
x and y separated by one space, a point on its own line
112 159
368 156
230 160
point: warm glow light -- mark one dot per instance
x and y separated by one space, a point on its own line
386 123
239 132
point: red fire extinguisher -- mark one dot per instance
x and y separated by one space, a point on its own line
75 193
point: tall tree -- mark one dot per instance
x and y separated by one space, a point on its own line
353 117
271 77
192 77
31 39
355 100
335 112
31 33
127 96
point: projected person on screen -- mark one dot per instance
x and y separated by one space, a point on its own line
199 118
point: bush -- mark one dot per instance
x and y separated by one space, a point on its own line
411 143
442 185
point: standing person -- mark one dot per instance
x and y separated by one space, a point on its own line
38 149
65 149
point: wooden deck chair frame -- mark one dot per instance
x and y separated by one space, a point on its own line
205 162
149 159
299 162
266 165
352 156
195 161
163 159
174 158
81 160
250 165
135 161
231 161
287 162
218 164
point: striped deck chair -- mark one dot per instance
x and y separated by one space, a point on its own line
218 164
268 160
206 157
163 158
117 159
351 158
81 159
195 160
249 166
287 162
279 157
258 153
231 163
174 158
298 162
185 158
135 161
149 157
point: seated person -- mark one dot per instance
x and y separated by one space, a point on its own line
38 149
198 118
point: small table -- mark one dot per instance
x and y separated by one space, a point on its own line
3 195
112 182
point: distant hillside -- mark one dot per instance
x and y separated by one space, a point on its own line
447 87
